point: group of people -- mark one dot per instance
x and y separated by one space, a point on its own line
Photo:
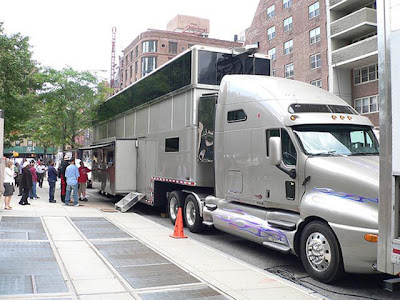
26 175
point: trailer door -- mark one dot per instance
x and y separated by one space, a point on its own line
146 165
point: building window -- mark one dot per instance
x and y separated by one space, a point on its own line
148 64
137 50
131 54
126 60
317 83
313 10
366 74
271 33
149 46
172 48
289 71
288 47
287 24
136 66
130 71
367 105
126 74
315 35
30 143
274 73
272 53
287 4
270 11
17 143
315 61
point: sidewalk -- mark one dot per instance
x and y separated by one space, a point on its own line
50 251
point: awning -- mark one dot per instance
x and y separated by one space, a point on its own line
97 146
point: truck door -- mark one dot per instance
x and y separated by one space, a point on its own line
271 186
146 165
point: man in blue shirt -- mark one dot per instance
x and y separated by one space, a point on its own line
52 178
71 175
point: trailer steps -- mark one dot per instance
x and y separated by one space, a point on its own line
128 201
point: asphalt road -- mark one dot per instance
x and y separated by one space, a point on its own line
350 287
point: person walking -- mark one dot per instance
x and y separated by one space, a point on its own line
83 178
61 175
32 193
52 178
20 170
26 183
8 184
72 175
40 171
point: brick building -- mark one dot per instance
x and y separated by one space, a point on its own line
153 48
328 43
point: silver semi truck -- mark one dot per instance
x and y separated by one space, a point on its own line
275 161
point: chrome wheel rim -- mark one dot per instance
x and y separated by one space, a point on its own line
318 251
173 208
190 213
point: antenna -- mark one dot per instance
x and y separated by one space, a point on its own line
112 72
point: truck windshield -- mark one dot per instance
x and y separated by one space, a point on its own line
336 140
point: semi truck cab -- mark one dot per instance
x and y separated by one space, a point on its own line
296 169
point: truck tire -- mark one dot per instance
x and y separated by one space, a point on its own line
191 214
320 252
175 200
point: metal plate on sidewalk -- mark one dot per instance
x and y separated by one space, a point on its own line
141 266
99 228
22 228
204 293
29 268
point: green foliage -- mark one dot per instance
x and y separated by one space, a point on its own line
19 79
67 104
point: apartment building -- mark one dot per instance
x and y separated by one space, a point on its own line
329 43
154 47
353 50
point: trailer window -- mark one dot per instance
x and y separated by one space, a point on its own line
236 116
172 145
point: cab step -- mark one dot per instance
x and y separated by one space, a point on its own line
279 247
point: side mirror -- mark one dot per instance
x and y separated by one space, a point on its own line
275 151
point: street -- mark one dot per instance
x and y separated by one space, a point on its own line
351 286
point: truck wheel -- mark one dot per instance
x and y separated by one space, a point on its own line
175 200
320 252
193 220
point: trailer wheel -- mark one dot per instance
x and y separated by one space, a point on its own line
320 252
175 200
193 220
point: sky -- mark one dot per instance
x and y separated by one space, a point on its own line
77 33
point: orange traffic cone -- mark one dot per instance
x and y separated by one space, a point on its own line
178 230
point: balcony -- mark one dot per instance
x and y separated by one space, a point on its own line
347 5
354 25
356 55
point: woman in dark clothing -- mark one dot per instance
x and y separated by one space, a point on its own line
26 183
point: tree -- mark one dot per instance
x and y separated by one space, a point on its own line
19 79
68 104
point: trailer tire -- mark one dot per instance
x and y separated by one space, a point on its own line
175 200
320 252
191 215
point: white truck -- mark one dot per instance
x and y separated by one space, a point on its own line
389 106
278 162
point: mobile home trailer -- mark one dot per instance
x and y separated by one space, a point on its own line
275 161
